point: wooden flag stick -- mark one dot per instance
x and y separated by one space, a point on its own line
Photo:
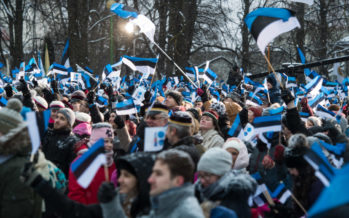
106 173
272 68
298 203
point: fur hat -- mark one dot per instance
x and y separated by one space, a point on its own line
56 105
293 154
82 117
219 107
10 116
78 95
181 118
216 161
177 96
68 114
41 102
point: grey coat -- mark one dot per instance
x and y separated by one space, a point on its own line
174 203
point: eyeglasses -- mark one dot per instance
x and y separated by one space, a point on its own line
153 118
205 176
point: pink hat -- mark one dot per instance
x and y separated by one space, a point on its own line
100 130
82 129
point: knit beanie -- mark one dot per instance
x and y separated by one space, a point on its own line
195 113
78 95
216 161
293 153
68 114
40 101
56 105
82 117
10 116
100 130
219 107
177 96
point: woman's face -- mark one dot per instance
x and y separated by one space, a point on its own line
112 118
206 123
127 183
108 144
234 153
250 116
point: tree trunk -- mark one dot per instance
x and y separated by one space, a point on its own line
245 35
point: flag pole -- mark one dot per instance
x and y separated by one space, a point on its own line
106 173
298 203
272 68
170 59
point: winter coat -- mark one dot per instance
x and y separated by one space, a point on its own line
58 147
173 203
273 176
89 195
17 200
275 91
137 143
232 190
294 122
62 206
211 139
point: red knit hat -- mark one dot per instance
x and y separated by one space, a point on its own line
211 113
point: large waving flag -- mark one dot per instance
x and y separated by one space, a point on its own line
313 88
126 107
209 76
145 25
267 124
265 24
87 77
86 167
58 69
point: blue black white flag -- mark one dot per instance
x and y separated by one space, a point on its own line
324 113
65 56
209 76
87 165
318 100
126 107
58 69
143 65
291 82
236 129
281 193
313 88
265 24
267 124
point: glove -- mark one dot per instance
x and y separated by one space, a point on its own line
24 87
287 96
54 85
203 93
106 192
29 175
119 122
91 96
8 90
35 83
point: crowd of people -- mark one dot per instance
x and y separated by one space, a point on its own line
201 170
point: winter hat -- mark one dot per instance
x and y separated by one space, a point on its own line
293 154
68 114
41 102
177 96
82 117
10 116
82 129
78 95
195 113
100 130
158 107
243 158
56 105
212 114
219 107
216 161
181 118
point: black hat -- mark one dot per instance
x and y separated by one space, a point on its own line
177 96
157 108
181 118
293 154
195 113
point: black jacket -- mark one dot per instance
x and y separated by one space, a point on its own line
58 147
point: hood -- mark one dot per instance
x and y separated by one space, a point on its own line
232 183
16 141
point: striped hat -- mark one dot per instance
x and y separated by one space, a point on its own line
56 105
41 102
158 108
181 118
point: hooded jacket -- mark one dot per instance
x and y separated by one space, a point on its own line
232 190
17 199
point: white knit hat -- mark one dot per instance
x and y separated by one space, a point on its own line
216 161
82 117
40 101
57 104
10 116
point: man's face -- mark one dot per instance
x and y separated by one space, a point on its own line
160 180
171 135
207 179
60 122
198 104
170 102
156 120
270 86
76 106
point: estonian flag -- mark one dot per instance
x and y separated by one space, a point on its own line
126 107
209 76
258 198
65 56
323 169
324 113
86 167
267 124
265 24
143 65
87 77
236 129
313 88
32 67
41 65
253 100
318 100
58 69
281 193
37 125
291 82
336 153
